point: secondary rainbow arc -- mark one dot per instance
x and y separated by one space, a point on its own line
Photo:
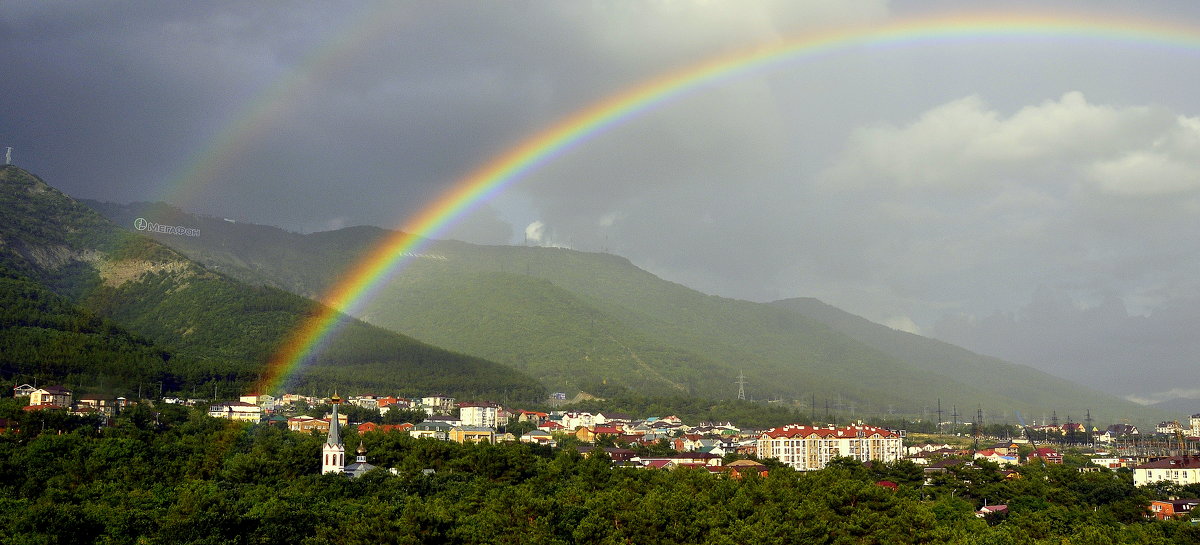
362 279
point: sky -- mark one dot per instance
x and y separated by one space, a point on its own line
1033 197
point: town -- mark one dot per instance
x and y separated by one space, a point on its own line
667 442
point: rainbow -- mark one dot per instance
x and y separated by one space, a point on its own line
362 279
271 105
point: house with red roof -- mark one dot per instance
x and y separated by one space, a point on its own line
992 510
1047 455
590 434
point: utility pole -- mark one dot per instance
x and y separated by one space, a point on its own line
741 382
939 421
955 416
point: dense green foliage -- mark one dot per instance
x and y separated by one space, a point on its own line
169 476
594 322
216 333
48 340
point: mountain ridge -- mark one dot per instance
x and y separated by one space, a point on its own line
591 321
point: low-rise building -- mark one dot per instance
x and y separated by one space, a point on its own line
56 396
1047 455
1168 427
1181 470
431 430
96 403
236 410
1172 509
472 434
991 455
539 437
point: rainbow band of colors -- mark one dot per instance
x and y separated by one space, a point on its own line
360 282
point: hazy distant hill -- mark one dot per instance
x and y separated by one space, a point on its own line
226 329
592 321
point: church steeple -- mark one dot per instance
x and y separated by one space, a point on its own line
333 454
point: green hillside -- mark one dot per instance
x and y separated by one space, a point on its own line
47 340
595 322
225 329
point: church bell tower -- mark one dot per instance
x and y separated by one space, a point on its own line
333 454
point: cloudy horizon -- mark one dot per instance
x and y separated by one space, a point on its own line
1032 196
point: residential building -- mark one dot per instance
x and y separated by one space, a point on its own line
591 433
1168 428
1181 470
391 401
808 448
472 434
612 418
306 424
993 456
51 395
480 415
1171 509
265 401
431 430
96 403
445 419
991 510
539 437
1048 455
575 420
236 410
1194 424
532 416
740 468
615 454
23 390
438 403
1117 431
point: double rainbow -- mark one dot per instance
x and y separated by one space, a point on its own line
362 279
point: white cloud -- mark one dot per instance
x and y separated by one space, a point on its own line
903 323
1159 397
535 231
967 203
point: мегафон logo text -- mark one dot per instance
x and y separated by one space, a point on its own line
142 225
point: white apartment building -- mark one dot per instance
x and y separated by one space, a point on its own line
478 415
236 410
809 448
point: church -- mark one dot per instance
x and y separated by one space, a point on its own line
333 453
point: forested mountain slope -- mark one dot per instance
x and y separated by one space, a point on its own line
595 322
